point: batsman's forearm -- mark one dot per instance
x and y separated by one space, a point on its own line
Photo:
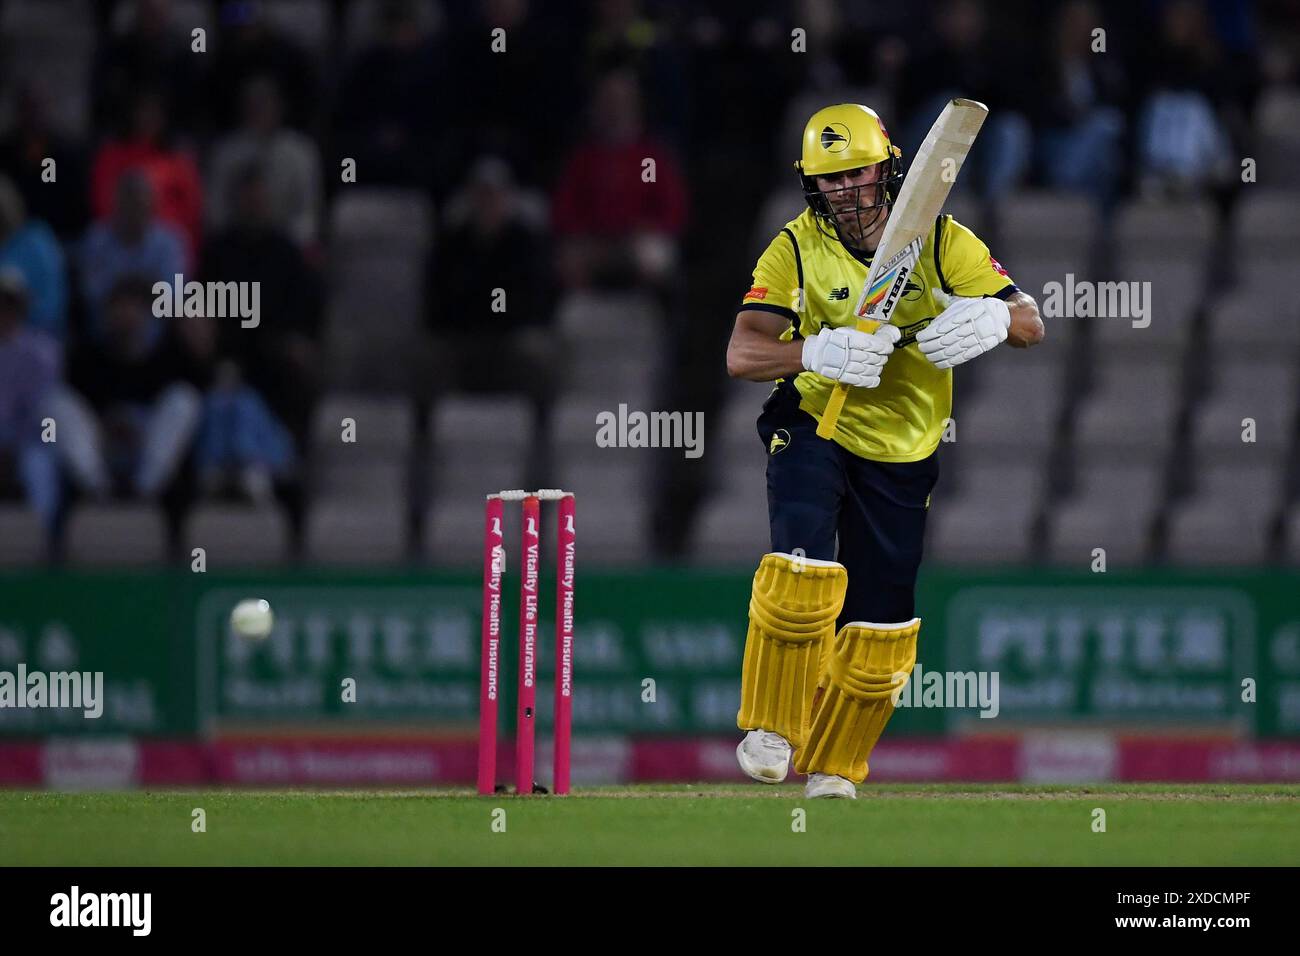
757 357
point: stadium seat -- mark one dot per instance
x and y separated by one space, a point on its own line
118 534
478 444
357 533
1255 321
381 424
1211 531
1046 224
629 320
1164 230
1277 121
1077 525
1130 483
1266 224
1016 405
1271 379
22 537
234 536
367 221
1217 429
1116 428
989 520
1291 553
1131 412
732 526
453 528
1170 291
1112 506
1246 487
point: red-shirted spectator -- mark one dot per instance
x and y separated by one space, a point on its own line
618 224
177 187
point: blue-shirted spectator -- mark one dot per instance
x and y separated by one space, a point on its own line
31 247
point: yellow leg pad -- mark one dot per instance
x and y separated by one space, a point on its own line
792 614
867 664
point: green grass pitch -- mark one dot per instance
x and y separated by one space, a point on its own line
891 825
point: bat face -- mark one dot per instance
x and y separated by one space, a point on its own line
924 191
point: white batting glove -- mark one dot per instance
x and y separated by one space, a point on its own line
966 329
849 356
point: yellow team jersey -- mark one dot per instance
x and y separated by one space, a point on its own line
814 281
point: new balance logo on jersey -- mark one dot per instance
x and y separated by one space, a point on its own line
840 294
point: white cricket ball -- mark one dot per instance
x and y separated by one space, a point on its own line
252 619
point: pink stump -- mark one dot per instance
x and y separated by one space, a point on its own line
530 562
489 669
564 570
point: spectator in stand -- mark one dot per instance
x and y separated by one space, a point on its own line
491 242
241 449
1078 107
172 171
128 422
288 159
151 50
132 242
615 228
31 151
528 132
280 358
622 35
961 58
31 247
251 46
1182 140
29 374
384 117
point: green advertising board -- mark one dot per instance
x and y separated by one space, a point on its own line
657 652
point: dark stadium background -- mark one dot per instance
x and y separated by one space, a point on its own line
1170 158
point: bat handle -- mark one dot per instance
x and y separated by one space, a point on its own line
831 416
835 404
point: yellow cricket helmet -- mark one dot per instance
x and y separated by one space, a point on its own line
844 137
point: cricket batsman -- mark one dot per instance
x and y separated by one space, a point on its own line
832 626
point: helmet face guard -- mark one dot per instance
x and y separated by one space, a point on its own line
870 201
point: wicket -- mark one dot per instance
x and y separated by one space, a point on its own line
489 684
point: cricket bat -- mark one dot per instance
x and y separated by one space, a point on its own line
924 190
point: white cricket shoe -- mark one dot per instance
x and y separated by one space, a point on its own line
765 756
829 785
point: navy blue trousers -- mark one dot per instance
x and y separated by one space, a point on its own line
819 494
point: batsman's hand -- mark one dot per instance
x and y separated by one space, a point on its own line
848 356
966 329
